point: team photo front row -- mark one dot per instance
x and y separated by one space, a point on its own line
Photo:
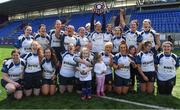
42 71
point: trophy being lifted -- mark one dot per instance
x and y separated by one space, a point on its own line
100 8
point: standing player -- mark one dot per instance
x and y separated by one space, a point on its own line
24 41
121 64
67 71
70 38
88 30
148 34
117 39
56 39
49 65
82 37
97 36
167 63
146 68
42 37
32 74
13 70
132 36
108 34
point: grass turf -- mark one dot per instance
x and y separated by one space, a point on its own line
72 100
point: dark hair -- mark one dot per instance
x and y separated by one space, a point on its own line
131 47
42 25
124 43
145 44
136 21
53 55
25 27
15 51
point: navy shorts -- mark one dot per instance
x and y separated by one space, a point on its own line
170 82
119 81
108 79
66 80
166 87
150 75
49 81
4 83
32 80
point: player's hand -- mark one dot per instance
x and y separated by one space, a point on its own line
133 64
120 65
53 77
16 84
145 78
122 10
87 63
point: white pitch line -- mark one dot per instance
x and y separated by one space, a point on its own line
135 103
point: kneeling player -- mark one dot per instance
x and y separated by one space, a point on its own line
12 74
49 65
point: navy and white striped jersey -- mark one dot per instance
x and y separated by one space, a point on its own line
106 59
97 40
68 65
54 41
32 63
48 68
13 70
71 39
123 72
146 60
88 75
24 44
77 58
116 42
83 41
149 36
107 37
167 64
133 38
44 41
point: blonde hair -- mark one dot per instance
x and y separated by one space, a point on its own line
82 50
108 44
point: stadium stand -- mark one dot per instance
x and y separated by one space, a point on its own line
164 21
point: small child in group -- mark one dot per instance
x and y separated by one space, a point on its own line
100 71
85 75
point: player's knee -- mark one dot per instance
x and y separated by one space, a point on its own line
10 88
36 92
